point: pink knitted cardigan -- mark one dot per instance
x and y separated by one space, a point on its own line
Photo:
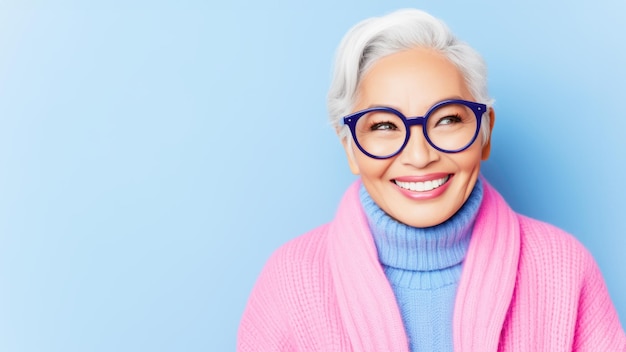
525 286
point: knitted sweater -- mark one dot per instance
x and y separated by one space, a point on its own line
525 286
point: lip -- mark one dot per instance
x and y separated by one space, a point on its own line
423 195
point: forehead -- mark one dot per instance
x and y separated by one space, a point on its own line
412 80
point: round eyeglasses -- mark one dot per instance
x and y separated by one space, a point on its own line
449 126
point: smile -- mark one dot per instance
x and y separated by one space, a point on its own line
423 186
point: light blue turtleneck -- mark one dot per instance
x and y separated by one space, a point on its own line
423 266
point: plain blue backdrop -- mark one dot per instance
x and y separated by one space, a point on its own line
154 154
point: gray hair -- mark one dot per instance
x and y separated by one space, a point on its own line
377 37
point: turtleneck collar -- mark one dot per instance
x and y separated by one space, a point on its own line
422 249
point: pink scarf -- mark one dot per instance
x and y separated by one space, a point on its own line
478 313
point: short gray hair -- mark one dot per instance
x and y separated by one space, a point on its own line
377 37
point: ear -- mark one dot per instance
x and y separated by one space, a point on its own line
354 167
487 147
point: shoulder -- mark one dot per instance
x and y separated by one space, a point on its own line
300 252
290 281
563 270
553 250
296 266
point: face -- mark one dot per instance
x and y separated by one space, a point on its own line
412 81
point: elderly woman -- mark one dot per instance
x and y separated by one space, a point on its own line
423 254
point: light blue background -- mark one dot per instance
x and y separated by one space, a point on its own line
153 155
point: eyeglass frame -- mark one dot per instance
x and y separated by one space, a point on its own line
478 108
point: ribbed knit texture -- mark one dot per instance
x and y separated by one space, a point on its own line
423 266
525 286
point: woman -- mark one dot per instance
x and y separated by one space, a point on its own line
423 253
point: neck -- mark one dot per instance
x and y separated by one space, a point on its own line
422 249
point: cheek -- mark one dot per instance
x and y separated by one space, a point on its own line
371 170
469 160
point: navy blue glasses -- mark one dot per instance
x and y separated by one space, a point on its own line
449 126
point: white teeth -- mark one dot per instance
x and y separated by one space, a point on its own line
423 186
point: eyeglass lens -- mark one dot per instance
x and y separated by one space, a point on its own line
450 127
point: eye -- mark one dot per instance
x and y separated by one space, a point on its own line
449 120
380 123
383 126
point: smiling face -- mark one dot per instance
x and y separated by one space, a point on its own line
421 186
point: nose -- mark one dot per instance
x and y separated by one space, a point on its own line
418 152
